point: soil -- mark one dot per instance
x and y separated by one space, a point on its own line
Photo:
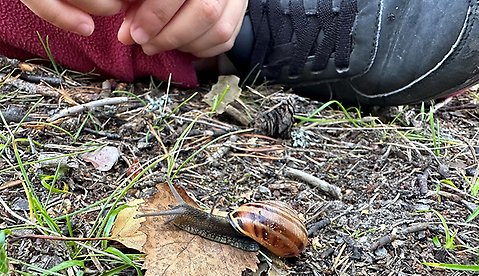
398 170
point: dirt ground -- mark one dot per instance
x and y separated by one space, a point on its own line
400 170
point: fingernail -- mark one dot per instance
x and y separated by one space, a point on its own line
85 29
140 36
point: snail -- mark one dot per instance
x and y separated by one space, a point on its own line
271 224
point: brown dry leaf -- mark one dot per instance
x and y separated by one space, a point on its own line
126 228
171 251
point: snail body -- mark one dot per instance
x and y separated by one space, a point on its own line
208 226
271 224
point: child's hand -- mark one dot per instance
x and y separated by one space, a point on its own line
204 28
74 15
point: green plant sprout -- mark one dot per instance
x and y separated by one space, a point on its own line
449 244
218 100
349 118
48 51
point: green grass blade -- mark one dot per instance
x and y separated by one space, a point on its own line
46 46
354 122
449 244
44 179
474 215
124 257
475 188
116 270
459 267
3 254
65 265
219 99
31 267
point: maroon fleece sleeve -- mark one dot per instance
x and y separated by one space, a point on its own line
100 52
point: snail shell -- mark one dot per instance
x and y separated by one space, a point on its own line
274 225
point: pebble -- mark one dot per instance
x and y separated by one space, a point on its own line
381 253
471 171
444 170
264 190
13 114
422 207
20 204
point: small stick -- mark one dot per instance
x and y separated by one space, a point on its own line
55 81
456 198
223 150
238 115
11 184
80 108
384 240
321 184
318 225
29 87
387 239
422 182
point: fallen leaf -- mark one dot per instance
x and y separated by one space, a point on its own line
126 227
224 92
171 251
102 159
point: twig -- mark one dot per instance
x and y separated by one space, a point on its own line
55 81
387 239
310 179
318 225
422 182
442 104
456 198
384 240
29 87
10 184
80 108
238 115
223 150
462 193
261 156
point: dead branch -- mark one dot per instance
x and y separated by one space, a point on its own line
312 180
82 107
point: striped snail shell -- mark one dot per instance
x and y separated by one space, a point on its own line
273 224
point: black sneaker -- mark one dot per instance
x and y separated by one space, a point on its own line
378 52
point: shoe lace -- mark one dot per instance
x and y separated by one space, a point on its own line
302 27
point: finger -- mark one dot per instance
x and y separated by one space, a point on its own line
99 7
62 15
220 38
194 19
151 17
124 34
